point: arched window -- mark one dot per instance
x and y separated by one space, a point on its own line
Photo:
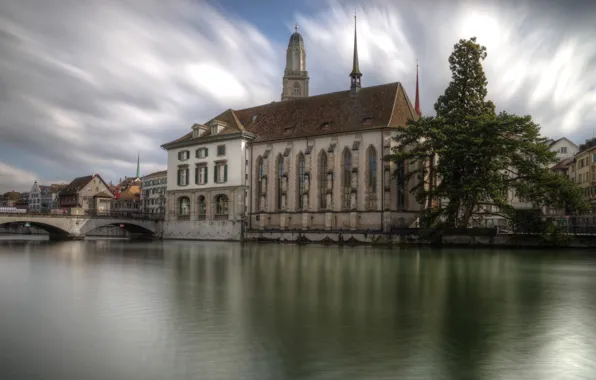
322 171
301 181
259 186
221 207
280 174
347 178
401 185
372 170
202 208
296 89
183 208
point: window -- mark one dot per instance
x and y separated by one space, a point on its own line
563 149
221 207
593 157
347 178
259 181
214 129
183 176
184 208
202 208
323 180
201 175
301 181
372 170
280 173
296 89
221 173
183 155
401 185
221 150
202 153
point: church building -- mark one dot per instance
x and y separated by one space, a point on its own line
305 164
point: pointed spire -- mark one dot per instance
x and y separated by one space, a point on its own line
355 74
138 165
296 28
417 104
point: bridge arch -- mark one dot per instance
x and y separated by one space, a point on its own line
51 229
134 227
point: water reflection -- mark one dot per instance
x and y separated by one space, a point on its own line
174 310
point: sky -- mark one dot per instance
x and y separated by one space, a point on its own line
86 85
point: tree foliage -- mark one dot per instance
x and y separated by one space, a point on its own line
478 159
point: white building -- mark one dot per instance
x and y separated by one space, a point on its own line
206 177
564 148
153 194
35 198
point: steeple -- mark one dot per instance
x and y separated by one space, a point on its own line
295 80
138 165
417 104
355 75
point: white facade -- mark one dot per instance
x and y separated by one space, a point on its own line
35 198
564 148
356 189
153 194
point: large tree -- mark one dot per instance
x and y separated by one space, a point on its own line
479 158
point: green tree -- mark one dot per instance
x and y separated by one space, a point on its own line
479 159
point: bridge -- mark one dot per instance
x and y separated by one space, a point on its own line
72 227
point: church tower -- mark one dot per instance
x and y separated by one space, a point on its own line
295 81
355 75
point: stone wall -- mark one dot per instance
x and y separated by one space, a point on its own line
203 230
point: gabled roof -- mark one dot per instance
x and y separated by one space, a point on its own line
553 142
374 107
563 164
79 183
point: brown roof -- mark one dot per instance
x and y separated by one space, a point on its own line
161 173
228 117
129 195
386 105
79 183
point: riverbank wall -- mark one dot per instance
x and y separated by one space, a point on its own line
481 238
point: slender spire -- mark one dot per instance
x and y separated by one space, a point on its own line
355 74
417 104
296 28
138 165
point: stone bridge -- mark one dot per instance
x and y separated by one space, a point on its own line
76 227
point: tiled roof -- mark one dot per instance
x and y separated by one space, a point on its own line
102 194
373 107
76 185
379 106
563 164
161 173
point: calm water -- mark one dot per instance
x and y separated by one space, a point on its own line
179 310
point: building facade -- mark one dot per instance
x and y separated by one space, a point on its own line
153 195
206 181
79 194
35 198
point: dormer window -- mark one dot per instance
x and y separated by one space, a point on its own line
217 126
198 130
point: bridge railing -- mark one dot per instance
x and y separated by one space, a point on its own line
90 214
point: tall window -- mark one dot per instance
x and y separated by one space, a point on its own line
280 173
259 181
220 174
301 180
296 89
323 180
347 180
372 176
221 207
183 176
200 175
184 208
401 185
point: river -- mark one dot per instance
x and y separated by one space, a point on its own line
113 309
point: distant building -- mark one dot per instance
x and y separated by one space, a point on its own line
564 148
153 194
127 202
35 198
80 192
585 170
10 199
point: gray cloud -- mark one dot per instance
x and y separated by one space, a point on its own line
85 85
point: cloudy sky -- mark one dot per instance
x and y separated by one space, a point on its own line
86 84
